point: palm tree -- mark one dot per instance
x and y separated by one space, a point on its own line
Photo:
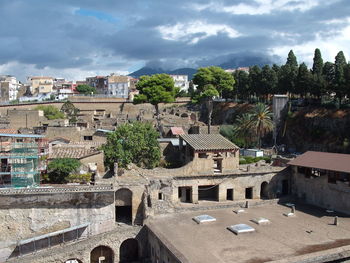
261 121
242 128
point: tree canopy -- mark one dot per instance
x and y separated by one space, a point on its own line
51 112
212 82
59 169
86 89
217 77
132 143
155 89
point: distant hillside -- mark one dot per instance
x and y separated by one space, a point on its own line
150 71
226 62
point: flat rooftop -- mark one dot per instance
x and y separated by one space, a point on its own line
310 231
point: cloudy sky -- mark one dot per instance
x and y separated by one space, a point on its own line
79 38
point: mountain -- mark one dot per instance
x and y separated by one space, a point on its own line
226 62
150 71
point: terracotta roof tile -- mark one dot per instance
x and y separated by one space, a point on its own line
323 160
208 142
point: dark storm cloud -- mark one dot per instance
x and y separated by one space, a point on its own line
87 34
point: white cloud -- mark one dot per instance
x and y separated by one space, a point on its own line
261 7
194 31
329 47
22 71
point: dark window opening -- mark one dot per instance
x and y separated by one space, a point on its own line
249 193
217 166
202 155
160 196
149 202
208 192
87 138
229 194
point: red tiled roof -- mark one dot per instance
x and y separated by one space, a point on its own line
9 131
177 131
323 160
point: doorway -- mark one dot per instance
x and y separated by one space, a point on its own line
229 194
185 194
264 191
208 192
123 206
285 187
249 193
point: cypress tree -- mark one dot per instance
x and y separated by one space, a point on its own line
339 76
318 63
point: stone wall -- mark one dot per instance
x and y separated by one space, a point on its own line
317 191
30 215
82 249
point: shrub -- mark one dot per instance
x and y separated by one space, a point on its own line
79 178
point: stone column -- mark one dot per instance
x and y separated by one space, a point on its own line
195 194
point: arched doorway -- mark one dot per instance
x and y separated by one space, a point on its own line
264 193
73 260
129 251
123 206
102 254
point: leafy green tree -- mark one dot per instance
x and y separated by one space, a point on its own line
242 88
221 80
317 66
255 80
328 74
288 74
51 112
292 60
155 89
59 169
261 121
339 76
317 88
86 89
212 82
132 143
268 81
303 80
71 111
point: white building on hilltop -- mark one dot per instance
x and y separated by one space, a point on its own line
181 81
9 87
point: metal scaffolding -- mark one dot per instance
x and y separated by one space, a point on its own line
20 160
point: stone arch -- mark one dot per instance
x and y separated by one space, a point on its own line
129 251
73 260
102 253
264 192
123 206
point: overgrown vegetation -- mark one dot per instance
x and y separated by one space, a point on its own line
86 89
248 128
250 159
60 169
79 178
51 112
132 143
